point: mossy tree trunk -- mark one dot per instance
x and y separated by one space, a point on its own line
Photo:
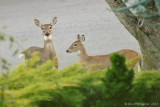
145 32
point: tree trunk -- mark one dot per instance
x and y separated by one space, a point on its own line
145 32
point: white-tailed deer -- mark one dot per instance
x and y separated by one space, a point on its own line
47 52
102 61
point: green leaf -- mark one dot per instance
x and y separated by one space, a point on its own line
3 60
5 67
2 38
15 52
11 39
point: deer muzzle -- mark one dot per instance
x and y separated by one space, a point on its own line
47 34
68 51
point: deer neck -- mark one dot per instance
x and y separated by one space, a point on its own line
82 54
49 47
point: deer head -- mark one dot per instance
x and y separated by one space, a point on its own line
77 45
46 28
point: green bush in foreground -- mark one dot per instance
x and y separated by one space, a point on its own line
30 85
146 87
44 86
117 82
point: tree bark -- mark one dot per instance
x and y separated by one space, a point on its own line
145 32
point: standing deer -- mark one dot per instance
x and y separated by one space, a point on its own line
47 52
102 61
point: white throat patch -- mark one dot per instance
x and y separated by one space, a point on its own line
79 52
21 56
47 37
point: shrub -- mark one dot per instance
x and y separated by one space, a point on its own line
146 87
34 85
31 85
117 82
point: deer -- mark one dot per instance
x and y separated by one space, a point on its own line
101 61
48 51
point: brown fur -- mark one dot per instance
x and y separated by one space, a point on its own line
102 61
47 52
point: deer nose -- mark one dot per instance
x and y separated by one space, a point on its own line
47 34
67 51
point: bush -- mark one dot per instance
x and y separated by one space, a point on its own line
31 85
45 86
146 87
117 82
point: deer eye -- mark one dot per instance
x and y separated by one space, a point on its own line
50 27
42 28
75 44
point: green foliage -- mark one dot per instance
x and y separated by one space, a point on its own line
15 52
117 81
5 65
146 86
11 39
131 63
34 85
2 38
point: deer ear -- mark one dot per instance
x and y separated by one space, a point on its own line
83 38
54 21
37 22
78 37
